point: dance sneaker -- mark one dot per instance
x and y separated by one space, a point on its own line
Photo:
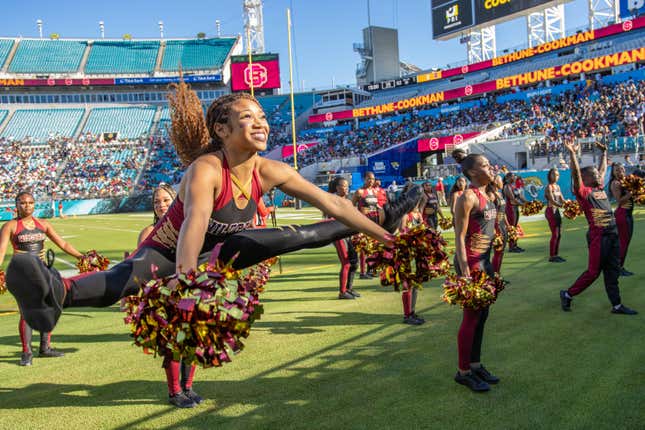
472 381
395 210
38 290
346 296
557 259
623 310
412 320
483 374
50 352
196 398
25 359
625 272
565 301
354 293
417 316
181 400
364 276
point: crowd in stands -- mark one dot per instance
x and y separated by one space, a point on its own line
163 164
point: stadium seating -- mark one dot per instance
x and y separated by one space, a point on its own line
3 115
129 122
47 56
42 124
122 56
198 54
5 48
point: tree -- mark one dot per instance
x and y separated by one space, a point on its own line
54 36
127 36
201 35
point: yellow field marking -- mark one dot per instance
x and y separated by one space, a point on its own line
286 272
4 314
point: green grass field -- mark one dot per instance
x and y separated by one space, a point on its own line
314 361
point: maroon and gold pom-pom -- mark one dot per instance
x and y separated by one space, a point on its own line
203 319
498 242
571 209
635 185
445 223
92 261
418 255
475 292
532 208
3 283
363 243
515 232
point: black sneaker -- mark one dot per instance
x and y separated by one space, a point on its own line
412 320
417 316
623 310
181 400
625 272
483 374
196 398
354 293
50 352
557 259
472 381
38 290
395 210
565 301
346 296
364 276
560 259
25 359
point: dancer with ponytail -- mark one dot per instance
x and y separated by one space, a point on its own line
215 204
552 213
602 237
623 213
513 201
27 235
456 191
366 199
475 216
344 248
431 209
409 296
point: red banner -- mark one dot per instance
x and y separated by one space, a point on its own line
287 150
575 68
439 143
54 82
265 75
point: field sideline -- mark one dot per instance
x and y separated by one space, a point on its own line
313 361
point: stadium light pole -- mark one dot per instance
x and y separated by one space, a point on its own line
218 28
293 113
102 29
161 29
39 24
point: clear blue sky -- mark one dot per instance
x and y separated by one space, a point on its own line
324 29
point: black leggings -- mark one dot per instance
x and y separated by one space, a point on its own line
100 289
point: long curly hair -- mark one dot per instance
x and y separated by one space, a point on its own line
192 133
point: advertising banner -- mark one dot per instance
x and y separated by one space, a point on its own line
439 143
450 17
263 73
287 150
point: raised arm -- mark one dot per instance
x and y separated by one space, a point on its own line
463 207
202 182
59 241
602 168
576 177
288 180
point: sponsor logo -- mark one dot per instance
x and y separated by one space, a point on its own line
256 75
452 14
468 90
434 144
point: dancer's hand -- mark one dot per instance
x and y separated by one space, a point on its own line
600 145
571 145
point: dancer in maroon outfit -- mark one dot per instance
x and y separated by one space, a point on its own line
552 213
623 213
475 217
602 237
345 248
513 201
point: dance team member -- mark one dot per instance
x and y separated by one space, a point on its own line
215 204
456 191
501 225
602 236
475 217
513 202
623 213
552 213
345 248
432 207
366 199
27 235
409 296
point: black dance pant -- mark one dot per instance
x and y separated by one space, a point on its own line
100 289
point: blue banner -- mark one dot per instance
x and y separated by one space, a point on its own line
167 80
631 8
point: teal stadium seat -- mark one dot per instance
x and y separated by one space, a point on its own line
122 56
3 115
197 54
48 56
40 124
129 122
5 48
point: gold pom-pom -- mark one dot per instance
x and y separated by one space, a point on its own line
475 292
571 209
3 283
532 208
445 223
92 261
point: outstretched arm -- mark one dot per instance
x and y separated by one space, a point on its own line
602 168
59 241
576 177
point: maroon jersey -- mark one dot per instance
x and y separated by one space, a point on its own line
30 240
481 231
629 204
225 219
596 207
368 200
432 205
500 220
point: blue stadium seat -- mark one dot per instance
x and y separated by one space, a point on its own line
48 56
122 56
129 122
41 124
197 54
5 48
